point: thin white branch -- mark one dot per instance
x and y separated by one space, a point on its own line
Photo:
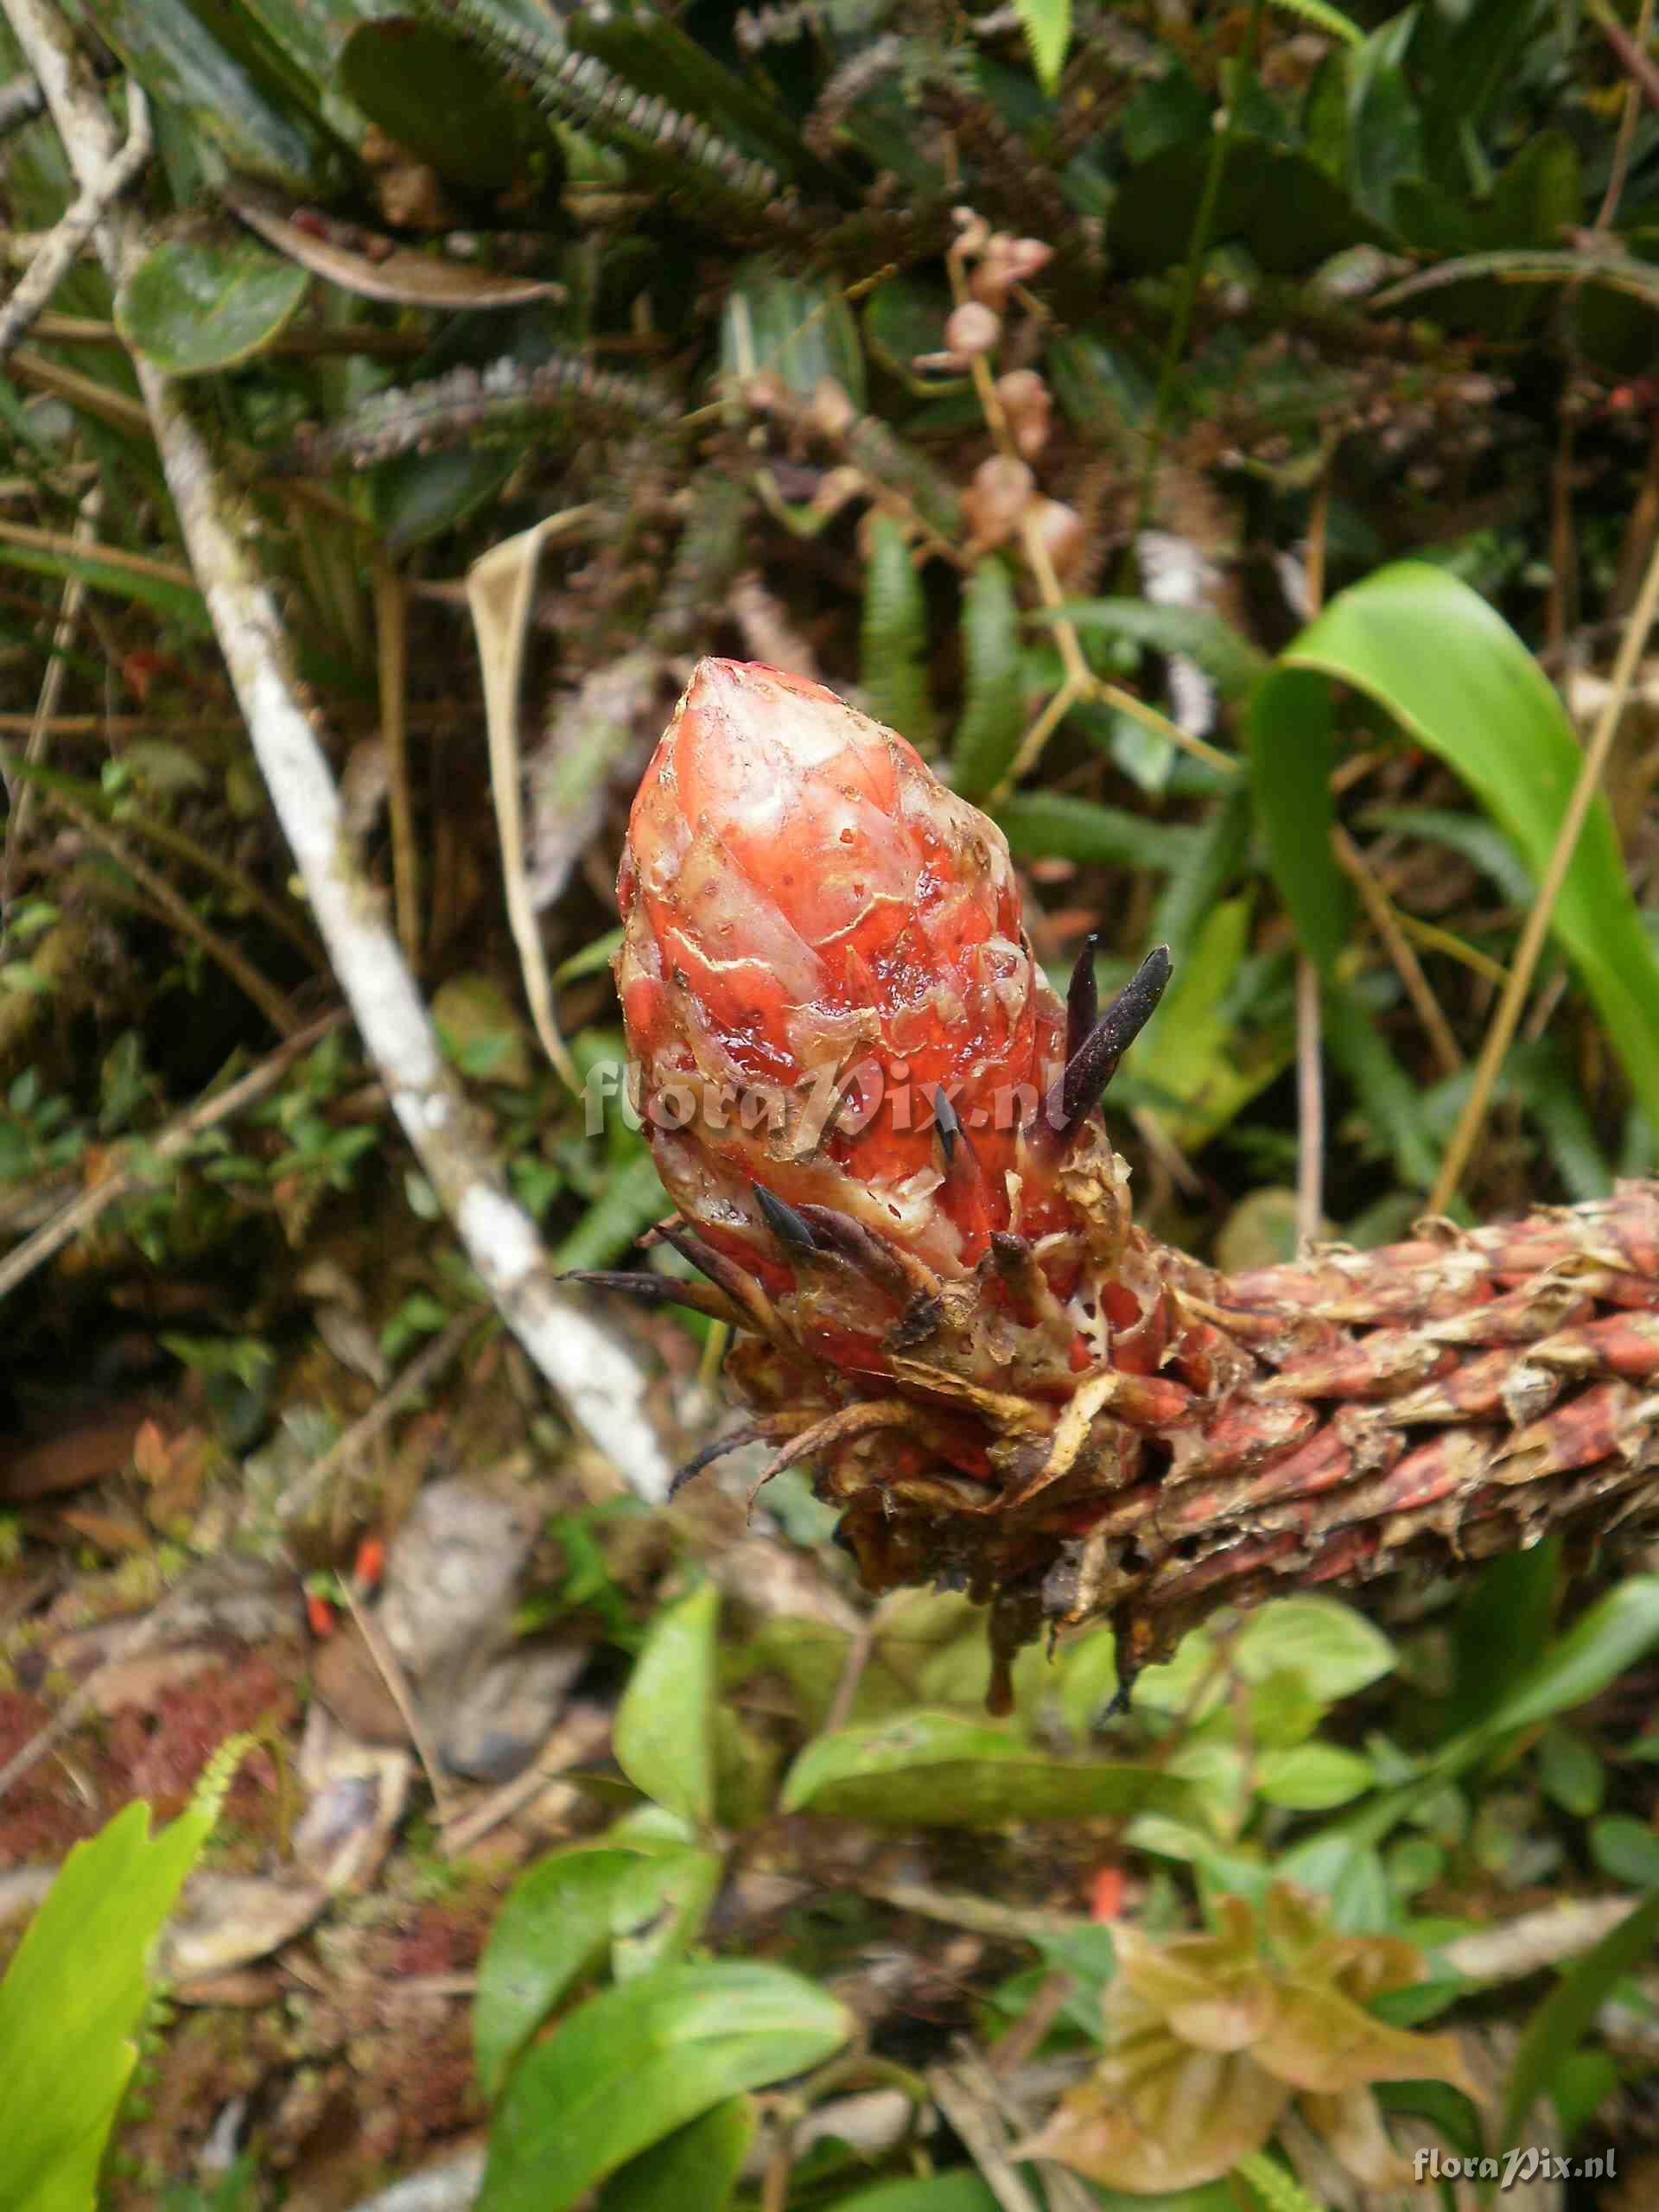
592 1370
57 251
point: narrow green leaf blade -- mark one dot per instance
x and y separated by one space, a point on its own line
664 1737
1559 2023
1454 674
1595 1651
72 1998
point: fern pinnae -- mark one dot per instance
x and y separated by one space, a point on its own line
480 407
579 89
988 733
892 638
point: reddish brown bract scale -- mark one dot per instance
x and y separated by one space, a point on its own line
874 1116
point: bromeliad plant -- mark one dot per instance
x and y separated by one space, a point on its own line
879 1125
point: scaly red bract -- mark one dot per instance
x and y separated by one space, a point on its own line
947 1309
818 934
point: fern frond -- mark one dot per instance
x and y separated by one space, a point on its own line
579 89
480 407
994 693
893 640
214 1783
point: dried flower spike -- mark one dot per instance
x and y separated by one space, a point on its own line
877 1122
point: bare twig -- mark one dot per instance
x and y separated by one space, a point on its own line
80 548
1390 928
1630 52
977 2121
53 261
592 1370
390 1669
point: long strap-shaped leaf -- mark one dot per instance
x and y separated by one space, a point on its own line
1456 678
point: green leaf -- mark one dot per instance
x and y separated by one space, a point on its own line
72 1999
1048 33
1332 1648
192 307
694 2170
1457 678
1561 2021
1277 200
441 99
937 1770
1626 1850
665 1738
231 82
992 712
1312 1778
418 495
1574 1776
1390 1099
638 2061
561 1917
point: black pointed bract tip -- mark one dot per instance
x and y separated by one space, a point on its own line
710 1453
1081 997
789 1227
1094 1064
946 1122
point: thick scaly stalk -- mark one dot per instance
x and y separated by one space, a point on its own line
877 1124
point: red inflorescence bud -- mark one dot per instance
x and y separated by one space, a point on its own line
820 938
